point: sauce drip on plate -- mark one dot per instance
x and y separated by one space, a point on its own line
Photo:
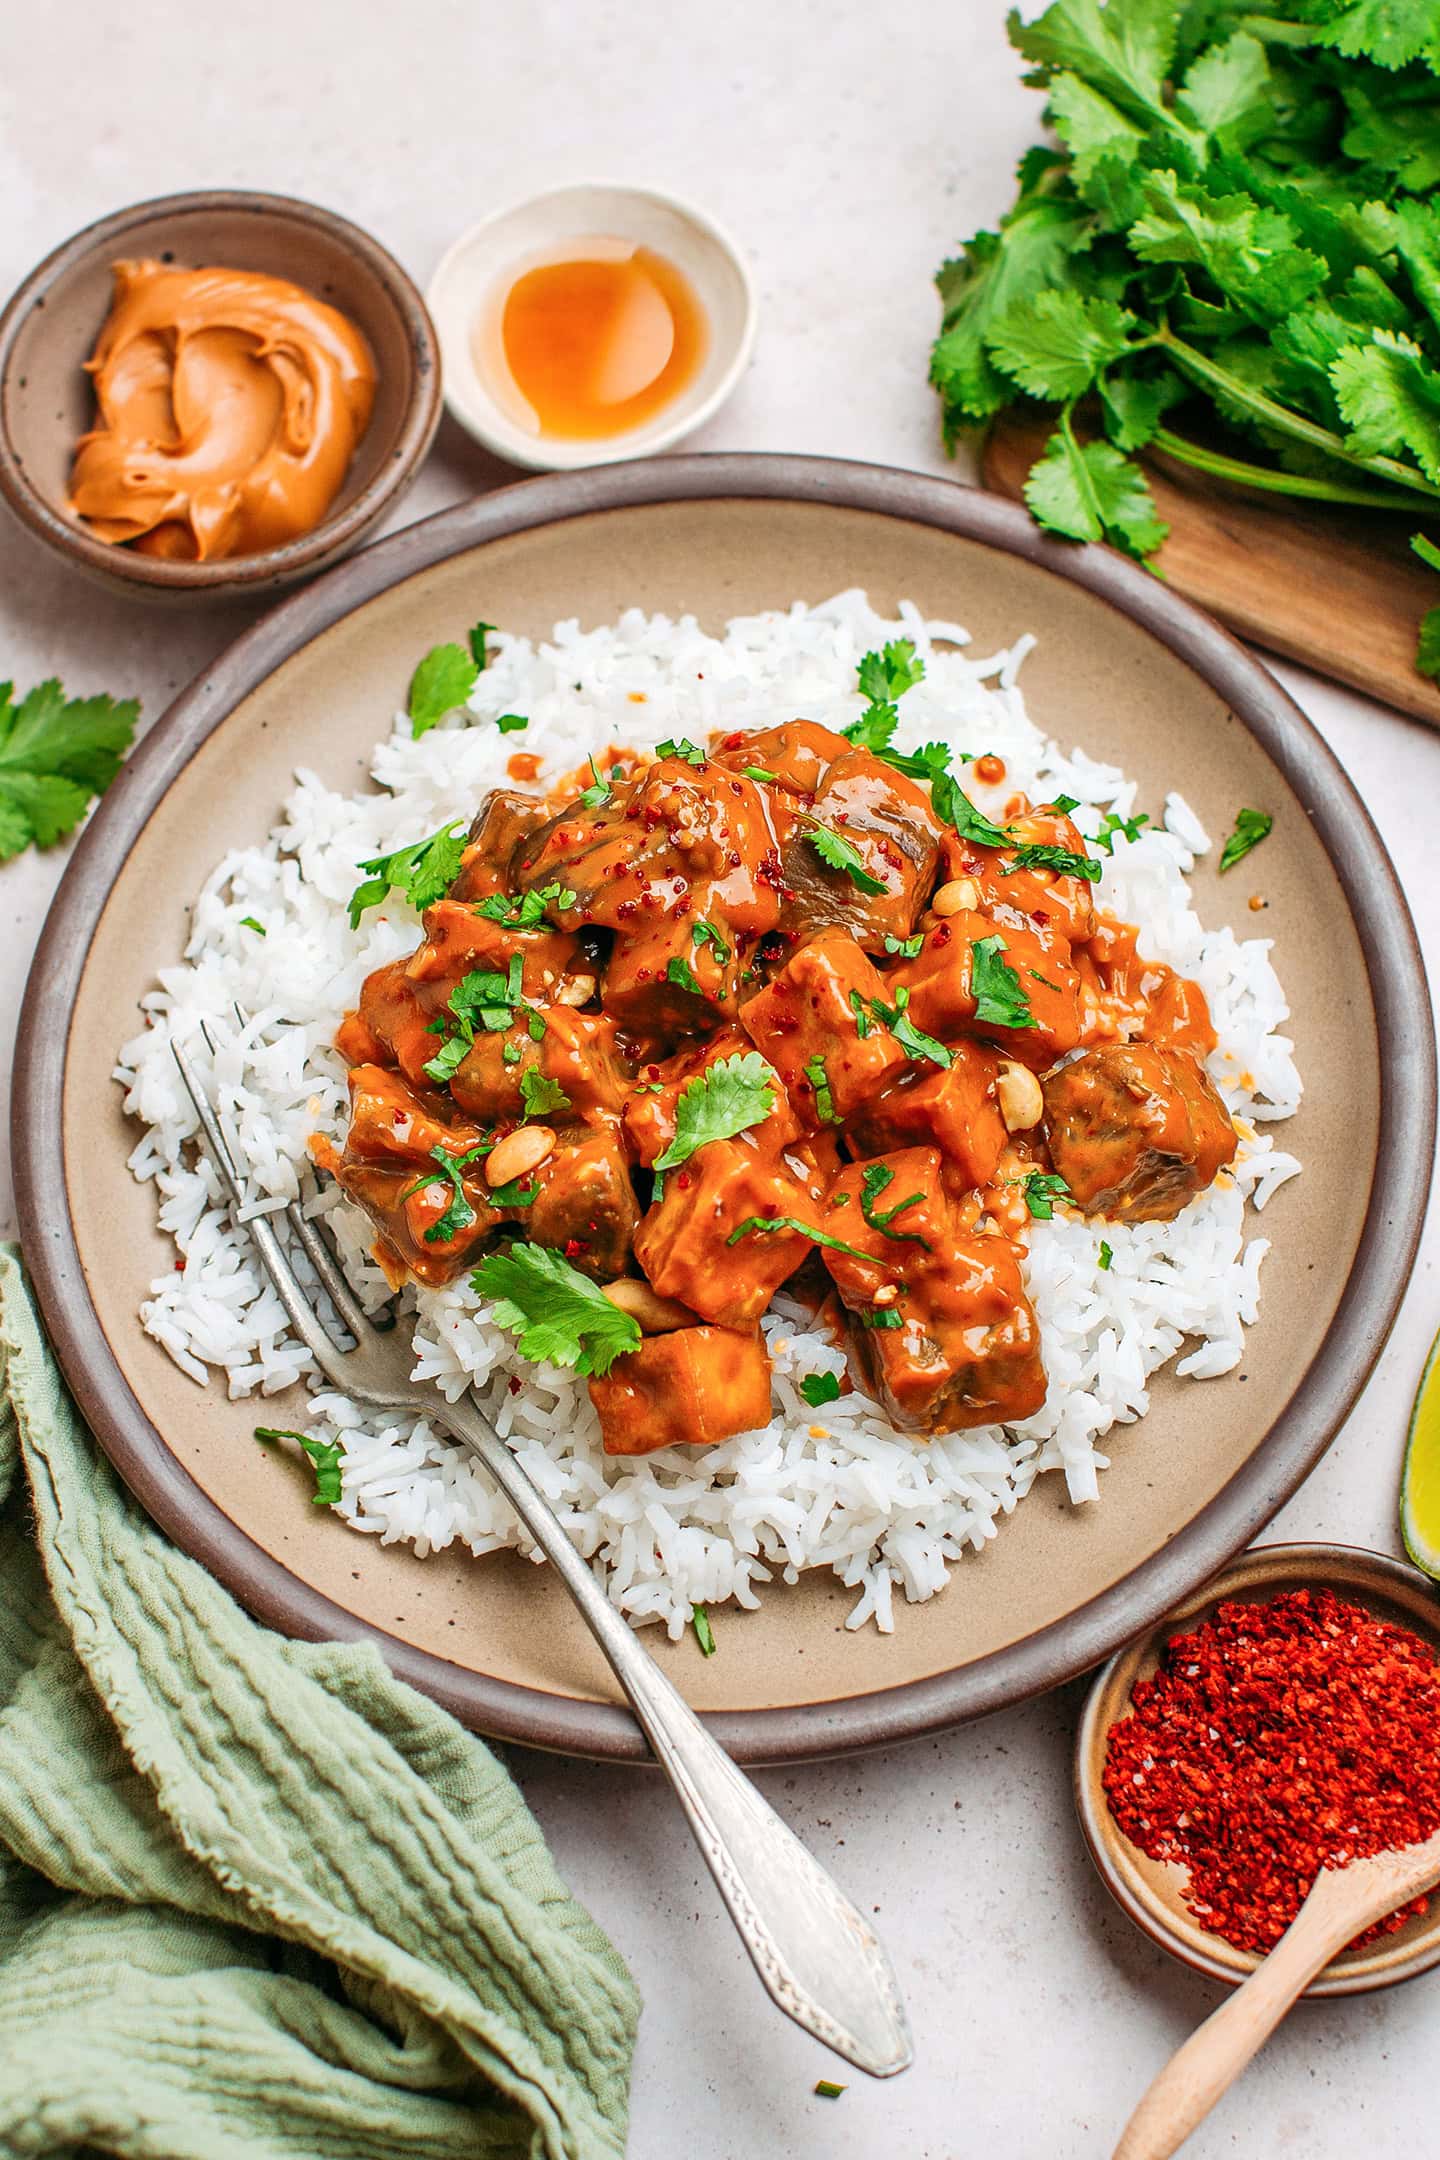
598 342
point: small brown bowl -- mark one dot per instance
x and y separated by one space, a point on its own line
1149 1890
48 331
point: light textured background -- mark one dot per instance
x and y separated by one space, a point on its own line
849 147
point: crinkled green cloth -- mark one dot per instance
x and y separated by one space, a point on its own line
257 1898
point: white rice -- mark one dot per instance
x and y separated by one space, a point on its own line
835 1488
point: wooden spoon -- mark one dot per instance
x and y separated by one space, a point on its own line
1343 1903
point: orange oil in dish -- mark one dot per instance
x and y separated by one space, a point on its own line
598 342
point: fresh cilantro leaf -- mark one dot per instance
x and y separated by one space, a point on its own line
875 729
1249 250
727 1098
1054 344
325 1457
680 972
1033 250
1126 51
1000 999
484 999
1229 92
1042 1189
535 1027
841 854
1389 396
705 933
876 1179
1427 649
689 751
459 1215
905 948
819 1080
422 872
883 1317
1040 855
524 911
248 922
512 723
601 792
862 1017
479 650
511 1051
55 755
820 1387
1134 405
1065 804
513 1195
1089 491
1106 1256
449 1058
541 1095
886 675
443 680
1392 33
556 1313
1251 827
972 824
764 1224
700 1621
912 1040
1115 828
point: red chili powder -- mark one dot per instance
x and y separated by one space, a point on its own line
1273 1741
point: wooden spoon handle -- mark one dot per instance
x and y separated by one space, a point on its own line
1217 2051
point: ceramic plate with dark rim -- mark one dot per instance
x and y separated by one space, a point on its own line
1124 668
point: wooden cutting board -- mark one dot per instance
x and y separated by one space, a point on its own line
1339 591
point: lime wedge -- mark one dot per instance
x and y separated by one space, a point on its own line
1420 1490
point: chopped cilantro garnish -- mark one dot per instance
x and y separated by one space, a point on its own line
535 1027
248 922
444 680
511 1051
539 1095
324 1457
819 1080
554 1311
820 1387
841 854
727 1098
511 723
600 792
459 1215
689 751
875 729
758 772
766 1223
450 1057
1042 1189
681 973
907 948
1000 1001
862 1017
1106 1256
1117 828
422 872
876 1179
1065 804
972 824
884 1317
912 1040
483 999
827 2090
890 672
523 911
700 1621
54 756
705 933
479 650
513 1195
1251 827
1064 861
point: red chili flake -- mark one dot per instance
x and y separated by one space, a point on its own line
732 742
513 1384
574 1246
1273 1741
942 934
180 1264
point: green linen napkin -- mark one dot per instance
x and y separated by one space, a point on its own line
258 1900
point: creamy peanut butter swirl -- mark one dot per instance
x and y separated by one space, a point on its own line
230 407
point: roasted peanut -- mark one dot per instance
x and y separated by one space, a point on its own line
960 893
657 1315
518 1153
1021 1102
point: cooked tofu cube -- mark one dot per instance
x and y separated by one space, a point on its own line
807 1025
888 821
504 819
683 1240
799 753
661 979
1125 996
458 942
585 1205
389 1166
955 1110
1032 974
1015 891
648 1118
1136 1130
576 1053
689 1388
947 1334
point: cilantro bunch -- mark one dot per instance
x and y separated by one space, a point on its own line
1233 257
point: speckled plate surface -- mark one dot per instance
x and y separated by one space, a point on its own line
1124 668
1150 1890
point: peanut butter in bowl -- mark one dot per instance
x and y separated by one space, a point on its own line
231 404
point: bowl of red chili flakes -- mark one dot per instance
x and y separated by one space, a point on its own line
1285 1718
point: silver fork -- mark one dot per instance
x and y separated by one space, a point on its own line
818 1959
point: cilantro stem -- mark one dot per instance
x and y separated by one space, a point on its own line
1201 368
1271 478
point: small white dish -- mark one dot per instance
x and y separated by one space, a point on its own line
476 272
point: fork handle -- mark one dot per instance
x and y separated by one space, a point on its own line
820 1961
